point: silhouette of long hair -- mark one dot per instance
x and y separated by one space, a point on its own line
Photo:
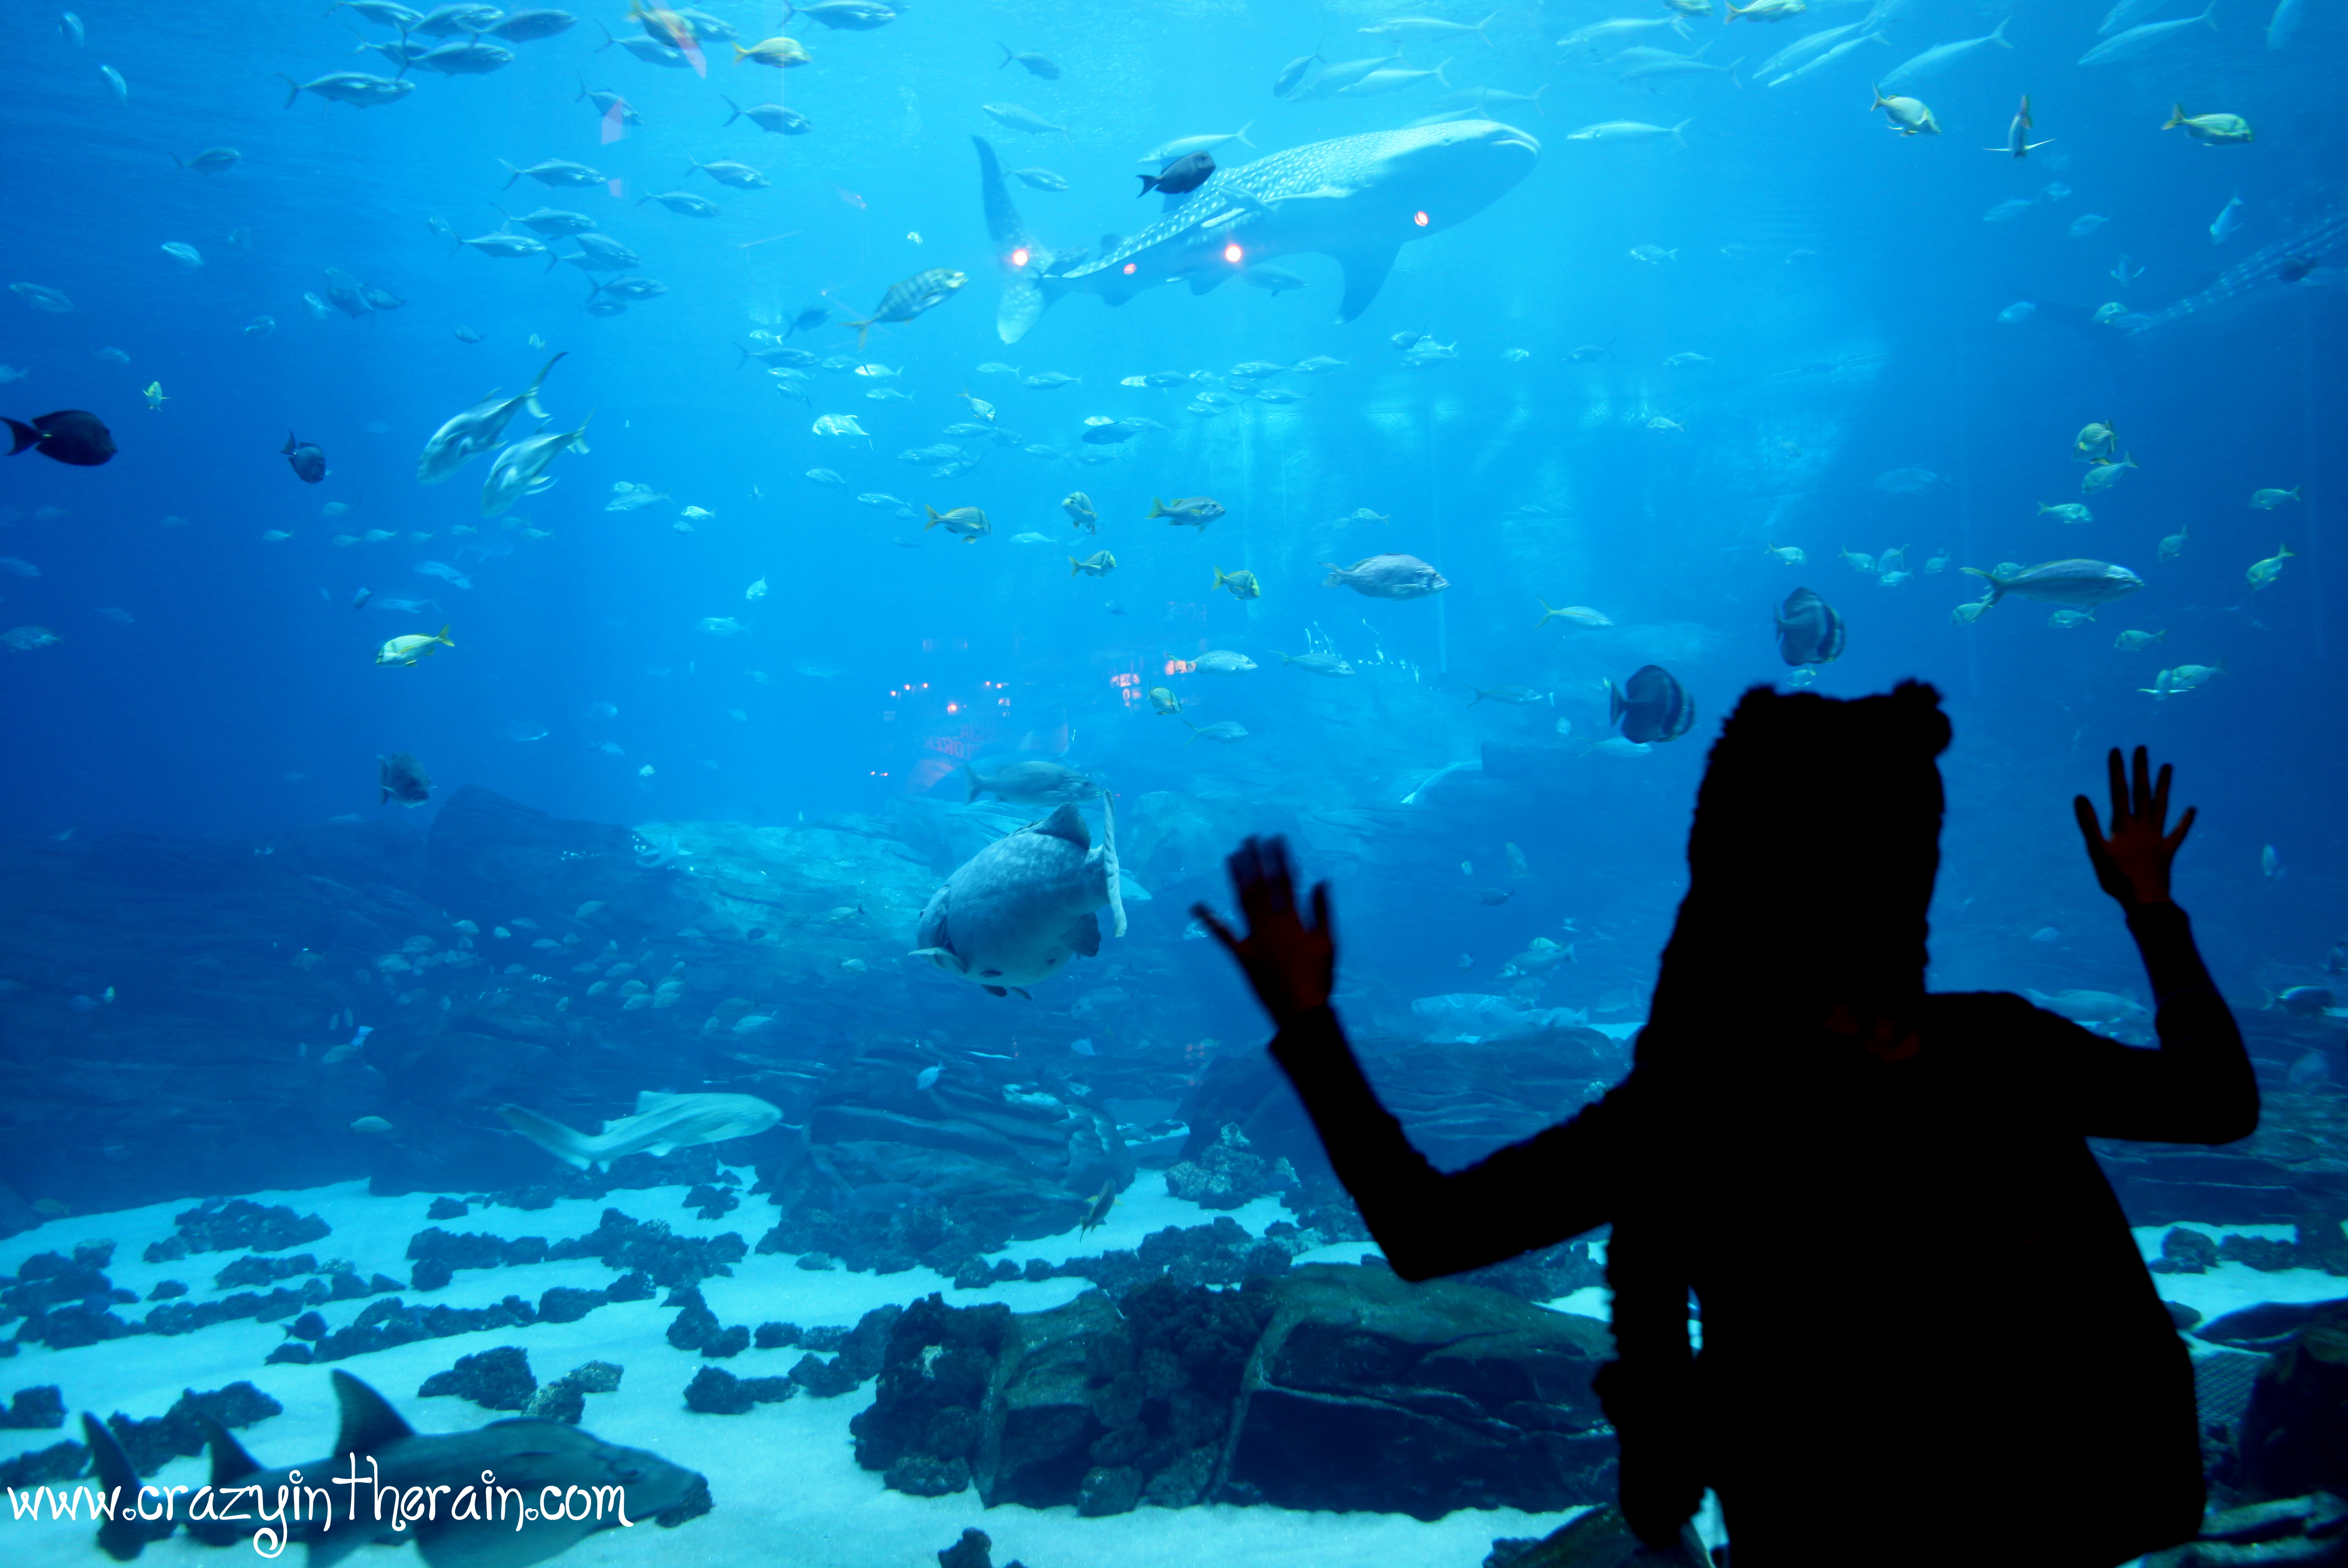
1811 862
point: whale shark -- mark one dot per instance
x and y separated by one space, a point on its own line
1358 199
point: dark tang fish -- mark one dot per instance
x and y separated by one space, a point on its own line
1185 173
1651 705
69 435
1809 630
308 459
401 777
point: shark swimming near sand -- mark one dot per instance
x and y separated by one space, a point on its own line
662 1123
474 1523
1359 198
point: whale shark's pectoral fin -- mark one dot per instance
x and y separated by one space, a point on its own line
1084 934
1365 273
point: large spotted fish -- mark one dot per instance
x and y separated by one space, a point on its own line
1356 198
1020 909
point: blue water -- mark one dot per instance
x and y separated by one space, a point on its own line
1841 281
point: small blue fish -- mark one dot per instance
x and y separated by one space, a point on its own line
927 1078
2228 218
114 79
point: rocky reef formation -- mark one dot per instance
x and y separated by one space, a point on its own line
1598 1539
150 1442
370 995
2309 1532
1322 1388
500 1379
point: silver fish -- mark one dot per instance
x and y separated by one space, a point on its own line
477 429
520 465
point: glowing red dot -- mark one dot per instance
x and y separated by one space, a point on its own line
1019 256
1231 254
1128 268
1419 219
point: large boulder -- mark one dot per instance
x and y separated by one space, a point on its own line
2295 1432
845 886
1368 1391
1325 1387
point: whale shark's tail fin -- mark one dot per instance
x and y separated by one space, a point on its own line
1021 260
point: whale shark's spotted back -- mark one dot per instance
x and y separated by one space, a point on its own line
1234 198
1352 198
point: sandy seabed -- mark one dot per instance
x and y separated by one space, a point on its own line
783 1477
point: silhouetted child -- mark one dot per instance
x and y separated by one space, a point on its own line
1929 1337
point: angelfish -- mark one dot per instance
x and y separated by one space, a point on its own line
1809 632
1651 705
477 429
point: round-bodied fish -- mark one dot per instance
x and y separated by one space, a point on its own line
1387 577
1651 705
1809 632
1018 911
